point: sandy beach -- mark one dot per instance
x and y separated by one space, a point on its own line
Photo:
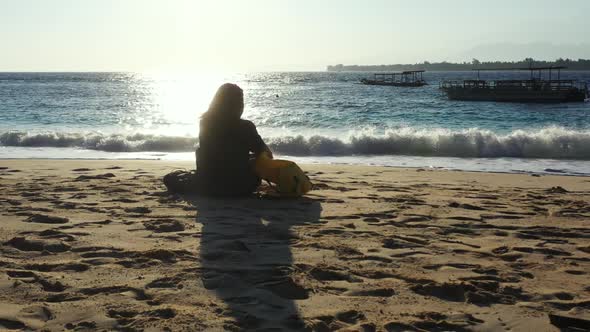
101 245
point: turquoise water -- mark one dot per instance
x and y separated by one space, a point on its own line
323 117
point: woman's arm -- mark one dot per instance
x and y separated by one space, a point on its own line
255 142
268 152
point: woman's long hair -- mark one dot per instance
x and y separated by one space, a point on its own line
226 107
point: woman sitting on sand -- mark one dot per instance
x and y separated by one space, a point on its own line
224 164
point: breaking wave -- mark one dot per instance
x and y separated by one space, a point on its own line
549 143
97 141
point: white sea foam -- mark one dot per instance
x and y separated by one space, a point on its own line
548 143
553 143
98 141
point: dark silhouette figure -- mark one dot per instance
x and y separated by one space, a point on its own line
246 259
226 142
245 249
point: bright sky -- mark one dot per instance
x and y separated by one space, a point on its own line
291 35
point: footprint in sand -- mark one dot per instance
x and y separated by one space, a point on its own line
29 244
167 282
95 177
164 225
378 292
287 288
121 199
85 325
461 266
484 292
332 274
62 267
13 202
82 170
138 209
78 196
131 259
56 234
10 324
466 206
126 317
403 243
47 219
135 293
337 321
434 321
47 284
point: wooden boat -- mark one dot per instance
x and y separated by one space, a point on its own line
533 90
410 78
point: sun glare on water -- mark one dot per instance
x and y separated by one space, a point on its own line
176 101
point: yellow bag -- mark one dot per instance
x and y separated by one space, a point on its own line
286 175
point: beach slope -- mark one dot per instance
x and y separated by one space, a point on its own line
101 245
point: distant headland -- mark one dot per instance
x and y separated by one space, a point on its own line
580 64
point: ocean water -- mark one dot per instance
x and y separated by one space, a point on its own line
308 117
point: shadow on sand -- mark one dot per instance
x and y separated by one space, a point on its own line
246 258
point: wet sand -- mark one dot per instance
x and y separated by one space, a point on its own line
101 245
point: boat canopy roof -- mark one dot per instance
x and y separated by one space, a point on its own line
522 68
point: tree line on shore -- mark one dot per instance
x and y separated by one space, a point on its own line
580 64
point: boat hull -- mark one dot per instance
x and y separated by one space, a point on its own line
519 95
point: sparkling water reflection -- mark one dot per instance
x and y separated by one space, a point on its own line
133 112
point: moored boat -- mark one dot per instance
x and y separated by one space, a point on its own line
535 89
410 78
